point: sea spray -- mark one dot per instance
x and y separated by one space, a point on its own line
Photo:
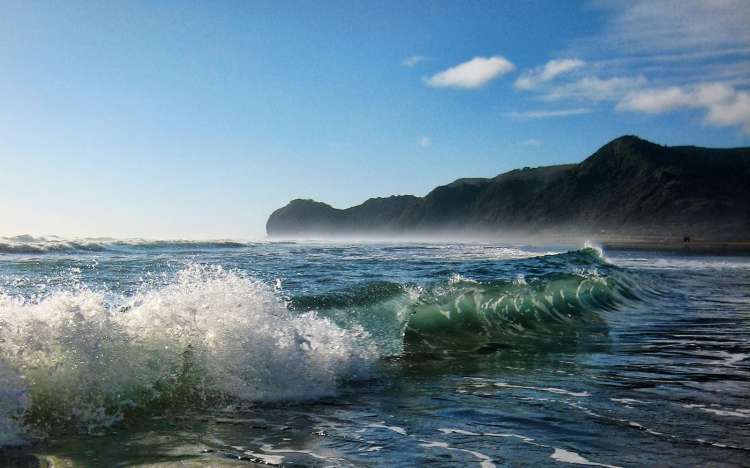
73 356
211 334
249 345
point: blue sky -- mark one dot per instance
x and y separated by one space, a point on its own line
198 119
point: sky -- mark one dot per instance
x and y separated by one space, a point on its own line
194 120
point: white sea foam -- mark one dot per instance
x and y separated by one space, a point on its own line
396 429
211 333
484 460
456 278
719 411
449 430
273 460
558 391
558 454
628 401
566 456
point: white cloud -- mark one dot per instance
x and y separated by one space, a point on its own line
593 88
532 142
533 78
472 74
735 111
413 60
724 105
655 101
543 113
424 141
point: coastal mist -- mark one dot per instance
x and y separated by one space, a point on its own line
390 353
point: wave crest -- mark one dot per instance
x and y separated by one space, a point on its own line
463 312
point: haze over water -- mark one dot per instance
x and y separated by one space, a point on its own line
349 354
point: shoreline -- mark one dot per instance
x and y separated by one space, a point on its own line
671 244
694 246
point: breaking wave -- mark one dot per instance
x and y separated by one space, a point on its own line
465 313
84 359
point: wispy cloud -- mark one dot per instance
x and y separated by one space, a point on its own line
472 74
413 60
552 69
676 25
550 113
424 141
676 57
674 42
594 88
724 106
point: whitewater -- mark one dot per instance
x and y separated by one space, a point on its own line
342 354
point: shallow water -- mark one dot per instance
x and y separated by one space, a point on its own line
318 354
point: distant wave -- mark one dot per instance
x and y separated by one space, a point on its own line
26 244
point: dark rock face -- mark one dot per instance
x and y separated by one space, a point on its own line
629 186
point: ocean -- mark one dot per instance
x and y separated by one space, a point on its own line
182 353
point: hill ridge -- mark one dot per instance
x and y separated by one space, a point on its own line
629 185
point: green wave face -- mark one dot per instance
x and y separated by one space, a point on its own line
382 310
559 306
462 313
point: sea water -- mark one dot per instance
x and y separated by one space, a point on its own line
176 353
